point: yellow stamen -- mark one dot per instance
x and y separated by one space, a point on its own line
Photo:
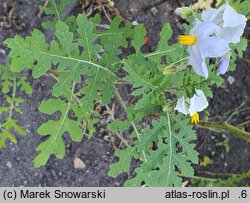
187 39
195 118
234 8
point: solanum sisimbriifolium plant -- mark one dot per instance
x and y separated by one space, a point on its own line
172 83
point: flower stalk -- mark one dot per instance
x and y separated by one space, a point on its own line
224 126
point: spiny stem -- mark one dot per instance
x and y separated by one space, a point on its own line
224 126
132 123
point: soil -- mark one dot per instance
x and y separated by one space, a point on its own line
16 168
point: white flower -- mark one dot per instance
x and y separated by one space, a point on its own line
191 106
229 20
201 44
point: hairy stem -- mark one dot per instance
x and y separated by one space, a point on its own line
224 126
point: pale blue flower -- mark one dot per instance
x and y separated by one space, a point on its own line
231 23
202 43
223 64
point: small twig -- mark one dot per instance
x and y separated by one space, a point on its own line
10 15
224 126
236 111
39 15
246 60
106 14
243 124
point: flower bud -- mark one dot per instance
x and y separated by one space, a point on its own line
170 69
169 106
184 12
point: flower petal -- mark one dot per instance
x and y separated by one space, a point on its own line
197 61
232 18
223 64
232 34
212 15
198 102
181 106
213 47
201 30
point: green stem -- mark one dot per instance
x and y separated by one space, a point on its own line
224 126
57 12
132 123
158 53
74 95
13 96
56 72
123 140
198 177
182 59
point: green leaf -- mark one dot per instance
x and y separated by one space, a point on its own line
138 38
55 129
88 119
118 126
241 46
87 38
7 78
151 134
174 154
116 31
56 9
6 131
28 51
123 164
24 85
3 109
162 47
144 76
192 81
